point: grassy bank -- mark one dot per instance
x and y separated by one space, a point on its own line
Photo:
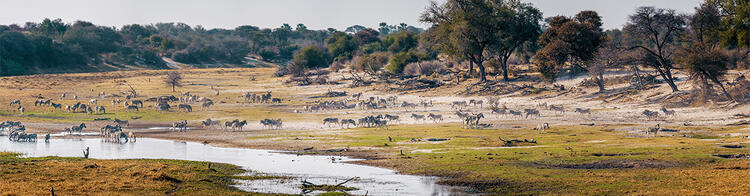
78 176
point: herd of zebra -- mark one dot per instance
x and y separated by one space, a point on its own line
262 98
235 125
16 132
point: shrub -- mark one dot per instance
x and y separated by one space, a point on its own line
425 68
399 61
310 57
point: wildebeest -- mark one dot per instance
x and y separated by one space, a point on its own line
330 121
185 107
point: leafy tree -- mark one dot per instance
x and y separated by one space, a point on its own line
657 30
466 28
399 60
401 41
518 24
52 28
367 36
575 40
341 46
736 30
309 58
355 29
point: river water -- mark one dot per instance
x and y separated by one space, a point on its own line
315 169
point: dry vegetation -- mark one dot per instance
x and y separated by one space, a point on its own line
614 156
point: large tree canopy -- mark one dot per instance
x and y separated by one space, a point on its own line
574 40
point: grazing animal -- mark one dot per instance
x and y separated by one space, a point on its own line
21 109
163 106
667 112
532 112
496 110
458 104
210 123
271 123
131 108
391 117
417 117
185 107
381 124
461 115
180 126
542 127
207 105
555 108
515 113
78 128
472 121
583 111
275 100
137 102
654 130
122 122
348 122
92 102
57 106
101 109
89 110
476 102
435 117
15 102
239 125
330 121
229 124
650 114
63 96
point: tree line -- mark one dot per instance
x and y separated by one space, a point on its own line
483 33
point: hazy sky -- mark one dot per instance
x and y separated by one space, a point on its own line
315 14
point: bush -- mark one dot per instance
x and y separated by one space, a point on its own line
371 63
425 68
399 61
310 57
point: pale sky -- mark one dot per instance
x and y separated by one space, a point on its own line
315 14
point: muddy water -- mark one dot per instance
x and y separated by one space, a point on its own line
315 169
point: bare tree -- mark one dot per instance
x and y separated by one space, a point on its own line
657 29
173 79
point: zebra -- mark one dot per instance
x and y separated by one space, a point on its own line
458 104
239 125
78 128
542 127
15 102
532 112
131 108
101 110
555 108
21 109
122 122
180 126
209 123
137 102
667 112
435 117
417 117
583 111
348 122
515 113
186 107
206 105
56 106
93 101
330 121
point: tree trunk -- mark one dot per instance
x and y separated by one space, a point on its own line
482 73
471 68
722 88
504 65
600 82
172 87
667 76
